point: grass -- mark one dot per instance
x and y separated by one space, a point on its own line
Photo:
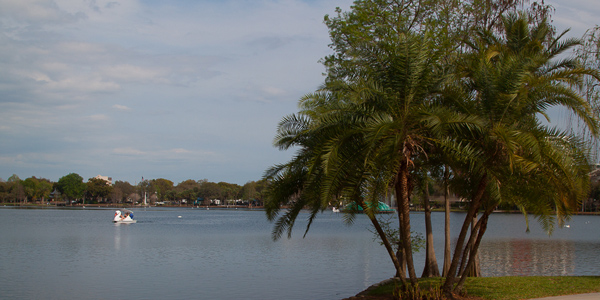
510 288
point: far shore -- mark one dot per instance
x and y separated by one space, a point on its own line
132 206
122 205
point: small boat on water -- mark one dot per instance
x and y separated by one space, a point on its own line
124 216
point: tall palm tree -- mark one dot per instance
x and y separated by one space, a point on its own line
511 80
365 133
409 75
327 168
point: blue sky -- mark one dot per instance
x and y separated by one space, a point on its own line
163 89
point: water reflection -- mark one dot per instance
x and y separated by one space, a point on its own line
117 236
522 257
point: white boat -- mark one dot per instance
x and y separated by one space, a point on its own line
124 217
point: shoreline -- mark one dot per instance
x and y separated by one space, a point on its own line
121 205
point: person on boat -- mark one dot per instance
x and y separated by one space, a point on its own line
118 216
128 216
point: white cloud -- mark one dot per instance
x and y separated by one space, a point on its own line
166 155
180 151
33 160
37 76
84 84
121 107
578 15
36 12
128 151
96 117
127 72
69 49
273 91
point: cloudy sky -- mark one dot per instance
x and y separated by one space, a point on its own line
163 89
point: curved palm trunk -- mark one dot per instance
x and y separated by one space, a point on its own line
472 269
431 268
458 251
399 270
447 244
404 217
402 259
463 270
473 256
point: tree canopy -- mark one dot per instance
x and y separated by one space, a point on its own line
71 186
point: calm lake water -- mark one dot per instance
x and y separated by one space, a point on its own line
229 254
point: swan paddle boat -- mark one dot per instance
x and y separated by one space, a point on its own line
125 216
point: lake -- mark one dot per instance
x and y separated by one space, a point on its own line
229 254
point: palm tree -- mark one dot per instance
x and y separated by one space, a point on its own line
513 156
327 167
362 136
395 133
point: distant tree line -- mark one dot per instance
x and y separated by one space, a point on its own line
71 189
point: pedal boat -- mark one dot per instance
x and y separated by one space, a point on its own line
127 218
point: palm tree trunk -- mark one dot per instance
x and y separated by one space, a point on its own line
463 271
447 244
431 268
472 270
402 259
388 247
404 218
474 207
474 256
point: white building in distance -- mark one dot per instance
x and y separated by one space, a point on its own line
105 178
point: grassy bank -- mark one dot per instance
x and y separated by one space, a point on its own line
506 288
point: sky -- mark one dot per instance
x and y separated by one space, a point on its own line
164 89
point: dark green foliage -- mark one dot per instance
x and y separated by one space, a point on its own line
98 189
71 186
